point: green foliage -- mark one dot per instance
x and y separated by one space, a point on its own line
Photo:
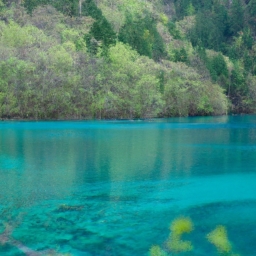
90 9
250 101
1 6
180 55
12 72
161 78
211 28
72 38
187 94
237 79
60 59
217 67
164 19
181 7
15 36
141 33
251 13
249 60
236 16
190 10
173 30
220 29
30 5
252 8
63 61
101 30
68 7
135 80
247 38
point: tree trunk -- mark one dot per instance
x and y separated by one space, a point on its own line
80 7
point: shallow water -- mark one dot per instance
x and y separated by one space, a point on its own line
114 187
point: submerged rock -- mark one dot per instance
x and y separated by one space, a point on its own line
65 207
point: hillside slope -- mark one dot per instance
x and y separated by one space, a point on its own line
126 59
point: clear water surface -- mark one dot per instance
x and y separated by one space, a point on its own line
114 187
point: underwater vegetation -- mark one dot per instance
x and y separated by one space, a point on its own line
179 227
155 250
219 238
175 245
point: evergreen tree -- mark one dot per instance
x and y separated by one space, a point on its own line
181 7
217 67
89 8
68 7
1 6
251 10
211 28
30 5
238 86
190 9
249 60
141 33
236 16
180 55
173 30
200 35
247 38
135 33
101 29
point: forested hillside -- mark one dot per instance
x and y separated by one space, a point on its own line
72 59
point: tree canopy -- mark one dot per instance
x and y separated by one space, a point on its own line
75 59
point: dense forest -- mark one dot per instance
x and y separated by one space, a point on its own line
74 59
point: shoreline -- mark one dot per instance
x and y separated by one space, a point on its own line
114 119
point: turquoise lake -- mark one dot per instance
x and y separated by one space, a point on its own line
114 187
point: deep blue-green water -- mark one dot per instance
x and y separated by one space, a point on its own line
114 187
